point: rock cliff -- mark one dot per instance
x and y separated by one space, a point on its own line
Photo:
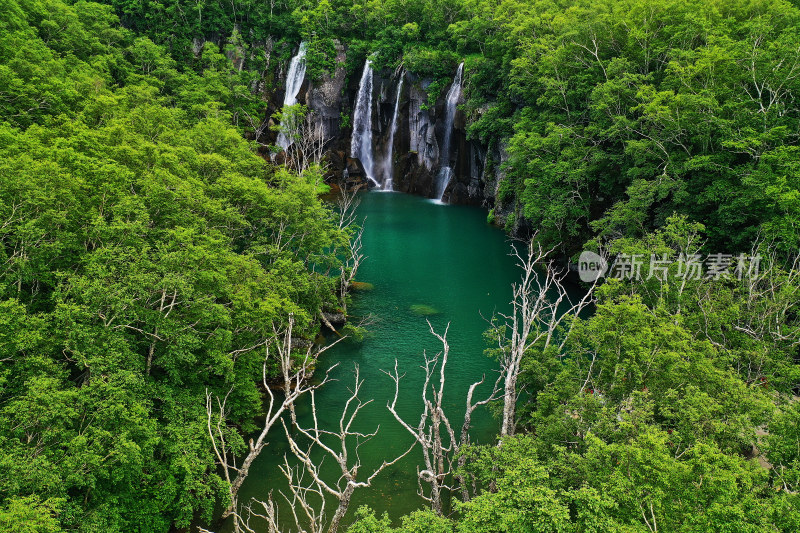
417 141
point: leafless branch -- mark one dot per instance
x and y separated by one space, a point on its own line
343 453
294 378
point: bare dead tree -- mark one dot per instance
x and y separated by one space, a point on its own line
306 500
540 306
771 297
306 135
688 246
268 512
769 286
300 497
437 453
308 517
350 253
346 204
464 440
294 374
343 453
350 265
310 146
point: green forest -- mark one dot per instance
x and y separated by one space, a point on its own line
159 275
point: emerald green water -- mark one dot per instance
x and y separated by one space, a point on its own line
418 254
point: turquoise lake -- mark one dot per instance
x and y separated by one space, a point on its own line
426 261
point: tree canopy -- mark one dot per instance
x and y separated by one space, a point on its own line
146 250
148 253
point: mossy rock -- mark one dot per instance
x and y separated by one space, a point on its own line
424 310
361 286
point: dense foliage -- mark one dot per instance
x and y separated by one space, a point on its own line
614 114
140 265
628 111
142 260
672 408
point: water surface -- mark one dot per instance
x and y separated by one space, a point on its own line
421 258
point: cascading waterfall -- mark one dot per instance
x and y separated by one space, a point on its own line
361 142
294 80
388 168
445 171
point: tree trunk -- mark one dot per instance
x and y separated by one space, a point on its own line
344 503
236 484
150 351
509 405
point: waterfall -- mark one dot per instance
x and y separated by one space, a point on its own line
388 168
445 171
294 80
361 142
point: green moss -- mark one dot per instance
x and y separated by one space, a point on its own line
423 310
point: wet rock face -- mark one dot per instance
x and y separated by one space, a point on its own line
421 126
424 129
417 140
325 97
197 46
469 185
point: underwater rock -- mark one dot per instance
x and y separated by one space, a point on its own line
423 310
